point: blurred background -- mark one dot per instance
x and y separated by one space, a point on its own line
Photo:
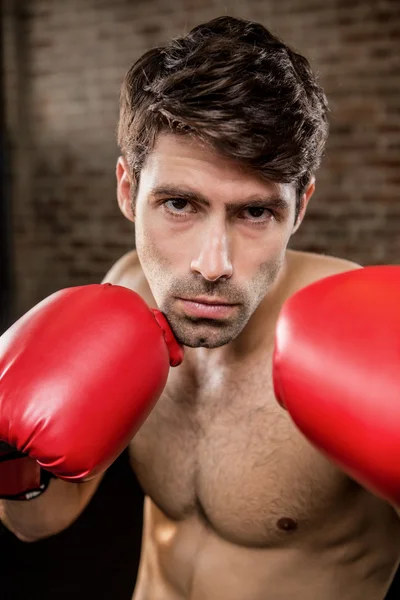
62 65
64 61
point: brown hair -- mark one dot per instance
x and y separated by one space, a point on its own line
234 85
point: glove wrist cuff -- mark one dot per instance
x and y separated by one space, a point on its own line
174 348
21 478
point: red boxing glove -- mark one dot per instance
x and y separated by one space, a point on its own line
79 373
337 371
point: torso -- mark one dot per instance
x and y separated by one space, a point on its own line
240 506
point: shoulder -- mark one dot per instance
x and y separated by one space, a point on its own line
127 271
304 268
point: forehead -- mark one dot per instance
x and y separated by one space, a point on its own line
186 161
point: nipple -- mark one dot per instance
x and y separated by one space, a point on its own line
287 524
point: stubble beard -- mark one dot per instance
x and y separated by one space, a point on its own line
195 332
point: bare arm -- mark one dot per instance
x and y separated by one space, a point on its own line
51 512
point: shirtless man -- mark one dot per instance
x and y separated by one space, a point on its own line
221 133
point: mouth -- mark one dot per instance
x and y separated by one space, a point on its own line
204 307
209 301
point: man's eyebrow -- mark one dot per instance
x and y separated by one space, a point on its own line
274 200
179 192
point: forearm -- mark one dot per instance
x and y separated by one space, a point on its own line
51 512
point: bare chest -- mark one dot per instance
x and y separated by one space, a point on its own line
228 452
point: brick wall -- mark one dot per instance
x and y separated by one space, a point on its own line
65 60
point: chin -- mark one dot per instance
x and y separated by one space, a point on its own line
196 335
204 343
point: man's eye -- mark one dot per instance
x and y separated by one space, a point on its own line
177 205
256 211
257 214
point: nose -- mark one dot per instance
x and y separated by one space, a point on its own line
213 261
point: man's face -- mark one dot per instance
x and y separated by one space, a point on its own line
211 237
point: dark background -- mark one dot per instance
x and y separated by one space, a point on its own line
63 62
97 558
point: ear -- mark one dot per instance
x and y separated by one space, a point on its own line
124 189
305 199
